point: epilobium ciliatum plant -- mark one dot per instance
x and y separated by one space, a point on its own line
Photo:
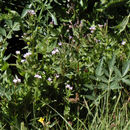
51 80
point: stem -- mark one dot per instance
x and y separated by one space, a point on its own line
108 94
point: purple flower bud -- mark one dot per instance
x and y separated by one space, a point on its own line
70 37
60 44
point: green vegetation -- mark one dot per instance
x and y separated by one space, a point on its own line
64 65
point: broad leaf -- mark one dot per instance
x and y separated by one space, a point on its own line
2 31
16 26
24 13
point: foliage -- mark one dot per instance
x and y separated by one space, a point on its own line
72 73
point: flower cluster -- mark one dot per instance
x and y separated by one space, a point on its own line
100 26
27 54
92 29
17 80
38 76
18 52
60 44
31 12
57 76
55 51
69 87
49 79
123 42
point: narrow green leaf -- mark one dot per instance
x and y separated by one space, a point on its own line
123 24
5 66
90 86
54 18
118 73
103 86
126 81
103 79
106 72
81 3
99 69
115 85
90 97
125 68
1 38
111 64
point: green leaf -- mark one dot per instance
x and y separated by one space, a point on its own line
93 77
90 97
103 79
99 69
2 31
24 13
111 64
103 86
125 68
81 3
9 36
6 57
90 86
5 66
57 2
126 81
118 73
1 38
123 24
106 72
103 1
57 69
23 126
9 23
54 18
16 26
115 85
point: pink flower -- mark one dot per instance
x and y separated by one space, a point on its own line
55 51
49 79
57 76
17 52
23 60
38 76
123 42
100 26
27 54
92 29
69 87
31 12
17 80
60 44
